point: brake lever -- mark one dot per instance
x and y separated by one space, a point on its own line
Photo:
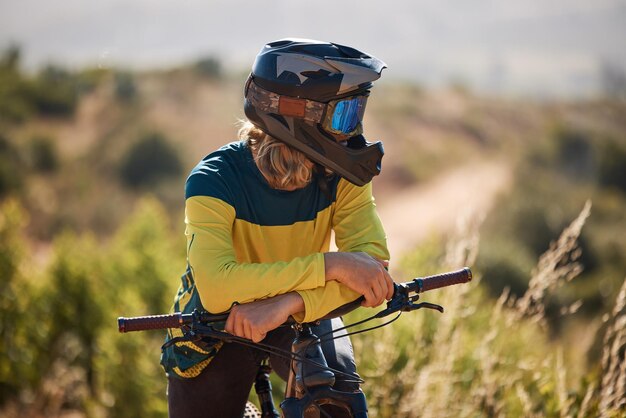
401 301
428 305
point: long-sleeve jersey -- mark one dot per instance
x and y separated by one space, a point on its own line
248 241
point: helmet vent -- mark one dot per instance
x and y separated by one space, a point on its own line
279 43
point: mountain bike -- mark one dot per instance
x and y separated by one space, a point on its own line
309 392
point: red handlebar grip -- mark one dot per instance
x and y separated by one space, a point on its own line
143 323
446 279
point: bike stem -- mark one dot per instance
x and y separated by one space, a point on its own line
307 345
311 380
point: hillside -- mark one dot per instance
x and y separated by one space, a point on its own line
79 223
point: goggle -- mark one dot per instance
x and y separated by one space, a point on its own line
344 116
341 117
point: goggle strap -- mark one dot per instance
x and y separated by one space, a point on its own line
270 102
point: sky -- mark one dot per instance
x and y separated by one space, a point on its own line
528 47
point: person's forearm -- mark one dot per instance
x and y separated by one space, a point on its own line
334 265
340 265
255 319
293 302
362 273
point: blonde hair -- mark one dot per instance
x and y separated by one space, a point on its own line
283 167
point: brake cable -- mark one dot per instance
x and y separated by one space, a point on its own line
403 303
333 331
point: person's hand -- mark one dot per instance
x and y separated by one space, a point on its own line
362 273
255 319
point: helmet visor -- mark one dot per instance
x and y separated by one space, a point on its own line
344 116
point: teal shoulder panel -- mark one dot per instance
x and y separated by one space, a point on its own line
231 175
213 175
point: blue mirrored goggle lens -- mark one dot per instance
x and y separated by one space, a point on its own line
347 114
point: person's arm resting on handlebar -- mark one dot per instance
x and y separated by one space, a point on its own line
222 280
349 274
323 281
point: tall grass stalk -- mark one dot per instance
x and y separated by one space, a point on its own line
613 385
557 265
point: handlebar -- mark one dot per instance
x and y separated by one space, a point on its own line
437 281
173 320
401 292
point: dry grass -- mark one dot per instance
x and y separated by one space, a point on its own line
613 385
556 266
493 359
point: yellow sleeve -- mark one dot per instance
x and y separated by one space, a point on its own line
220 279
356 222
318 302
357 228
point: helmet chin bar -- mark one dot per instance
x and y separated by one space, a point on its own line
357 165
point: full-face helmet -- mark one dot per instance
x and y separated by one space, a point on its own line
311 95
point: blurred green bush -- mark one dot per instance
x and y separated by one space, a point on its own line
15 291
61 321
53 91
149 160
210 67
612 166
125 86
43 154
12 171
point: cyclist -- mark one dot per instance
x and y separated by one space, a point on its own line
259 215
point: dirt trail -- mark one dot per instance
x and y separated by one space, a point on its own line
435 207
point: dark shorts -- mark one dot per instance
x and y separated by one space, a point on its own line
221 390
